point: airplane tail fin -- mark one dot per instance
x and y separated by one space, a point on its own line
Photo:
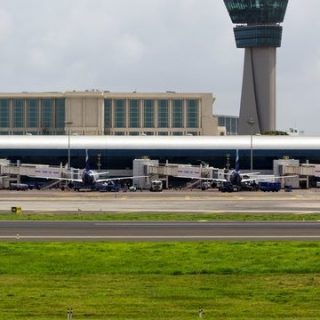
87 160
237 164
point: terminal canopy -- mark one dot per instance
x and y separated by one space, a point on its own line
256 11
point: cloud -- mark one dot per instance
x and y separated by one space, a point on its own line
5 26
158 45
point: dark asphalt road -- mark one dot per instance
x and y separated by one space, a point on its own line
148 231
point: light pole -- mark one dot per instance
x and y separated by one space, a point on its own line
251 124
68 124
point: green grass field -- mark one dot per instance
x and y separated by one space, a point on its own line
229 280
165 216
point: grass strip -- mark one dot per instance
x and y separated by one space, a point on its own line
229 280
165 216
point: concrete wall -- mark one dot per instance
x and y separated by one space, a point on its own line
84 113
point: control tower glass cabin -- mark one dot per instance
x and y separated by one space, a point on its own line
258 30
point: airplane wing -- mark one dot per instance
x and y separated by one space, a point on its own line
202 178
120 178
56 178
249 174
246 174
100 173
266 178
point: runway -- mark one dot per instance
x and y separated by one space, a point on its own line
160 231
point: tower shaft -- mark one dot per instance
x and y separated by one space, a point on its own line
258 98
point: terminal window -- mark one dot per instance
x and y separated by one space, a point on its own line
4 113
163 114
120 114
107 113
148 114
32 113
134 114
192 113
18 113
177 114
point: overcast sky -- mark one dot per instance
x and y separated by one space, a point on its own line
155 45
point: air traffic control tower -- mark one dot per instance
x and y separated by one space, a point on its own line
258 30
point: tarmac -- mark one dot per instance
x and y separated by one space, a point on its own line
297 201
56 201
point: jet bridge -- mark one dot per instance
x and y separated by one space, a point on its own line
186 171
154 170
303 171
14 172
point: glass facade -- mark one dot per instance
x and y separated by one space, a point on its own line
148 119
137 115
107 113
18 113
259 22
230 123
120 114
258 36
46 114
4 113
60 113
177 114
32 113
128 114
163 114
256 11
192 113
134 114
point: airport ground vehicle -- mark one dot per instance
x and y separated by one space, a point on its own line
249 186
132 188
227 186
109 186
205 185
156 186
19 186
269 186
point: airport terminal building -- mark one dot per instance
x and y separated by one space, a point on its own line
118 152
94 112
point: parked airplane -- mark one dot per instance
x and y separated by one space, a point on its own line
234 180
89 179
238 179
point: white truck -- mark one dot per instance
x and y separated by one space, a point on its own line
156 186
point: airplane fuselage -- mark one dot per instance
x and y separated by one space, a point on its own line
89 177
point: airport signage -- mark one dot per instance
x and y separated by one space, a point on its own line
53 173
192 172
